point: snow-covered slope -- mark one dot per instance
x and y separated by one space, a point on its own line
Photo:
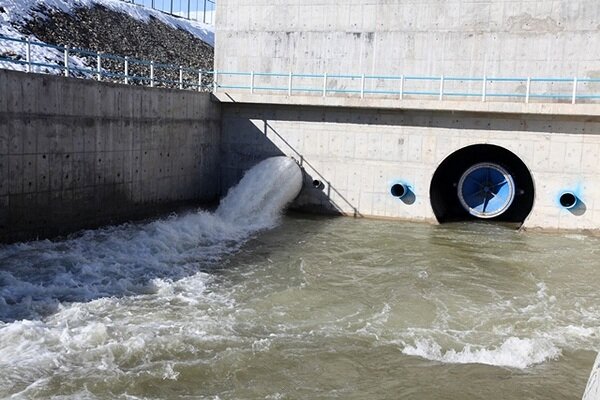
17 11
16 14
17 51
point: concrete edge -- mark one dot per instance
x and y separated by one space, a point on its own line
592 389
592 110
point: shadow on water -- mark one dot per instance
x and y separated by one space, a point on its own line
115 261
37 278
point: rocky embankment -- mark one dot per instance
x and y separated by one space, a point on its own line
106 31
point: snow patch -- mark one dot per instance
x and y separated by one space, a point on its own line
17 11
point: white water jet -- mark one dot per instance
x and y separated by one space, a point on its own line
256 202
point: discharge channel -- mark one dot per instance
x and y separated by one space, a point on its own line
242 303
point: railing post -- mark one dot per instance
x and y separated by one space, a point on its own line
66 61
251 82
362 86
189 6
180 77
171 7
215 84
290 76
28 54
401 87
574 97
204 13
126 70
484 89
199 80
151 73
98 67
325 84
528 90
442 87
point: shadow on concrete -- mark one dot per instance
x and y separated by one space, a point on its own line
579 209
249 145
459 120
250 135
325 188
409 198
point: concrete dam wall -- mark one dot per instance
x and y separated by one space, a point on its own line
422 37
77 153
353 158
424 110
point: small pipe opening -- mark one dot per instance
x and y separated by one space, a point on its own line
398 190
317 183
568 200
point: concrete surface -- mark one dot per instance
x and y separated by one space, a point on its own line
592 390
359 147
592 110
359 153
465 38
77 153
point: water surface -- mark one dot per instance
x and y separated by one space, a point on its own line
238 304
332 308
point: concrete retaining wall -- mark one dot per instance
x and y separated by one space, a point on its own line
359 153
544 38
78 153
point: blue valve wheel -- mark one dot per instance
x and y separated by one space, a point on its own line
486 190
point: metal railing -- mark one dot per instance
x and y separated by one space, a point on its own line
403 86
150 73
132 69
196 10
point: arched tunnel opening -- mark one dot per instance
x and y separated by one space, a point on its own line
482 182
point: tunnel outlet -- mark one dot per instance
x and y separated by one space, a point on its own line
482 181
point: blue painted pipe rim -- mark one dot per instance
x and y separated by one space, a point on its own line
568 200
399 190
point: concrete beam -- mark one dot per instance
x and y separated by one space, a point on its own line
592 110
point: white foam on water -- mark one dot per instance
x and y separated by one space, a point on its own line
519 332
67 306
36 277
513 352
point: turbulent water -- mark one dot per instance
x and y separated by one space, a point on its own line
240 304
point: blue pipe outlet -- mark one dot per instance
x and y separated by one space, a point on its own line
399 190
568 200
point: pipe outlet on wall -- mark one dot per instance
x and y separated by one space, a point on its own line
403 192
568 200
399 190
